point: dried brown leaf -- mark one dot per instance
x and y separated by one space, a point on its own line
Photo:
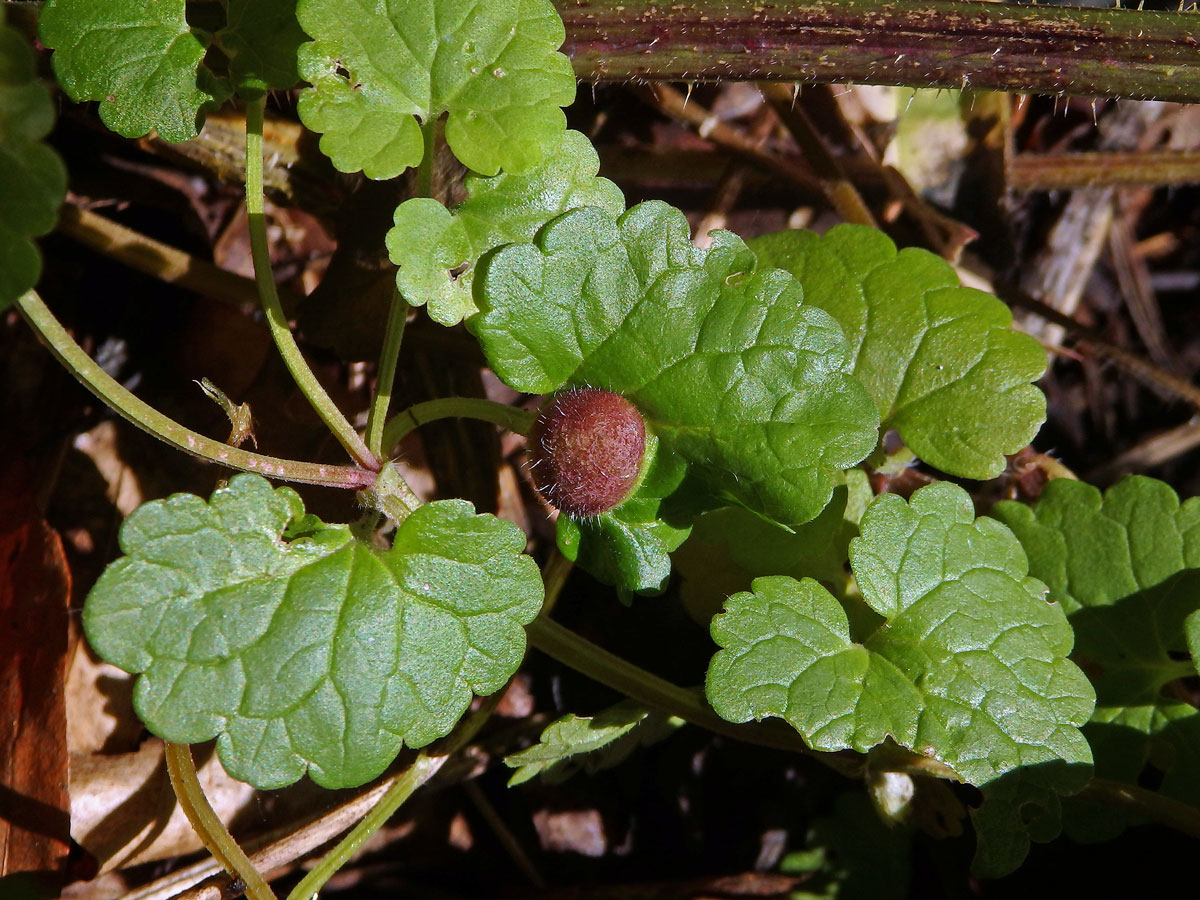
35 589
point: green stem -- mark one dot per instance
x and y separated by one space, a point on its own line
150 420
385 378
1034 49
1141 802
401 425
207 824
424 767
276 320
555 573
389 353
595 662
391 495
424 186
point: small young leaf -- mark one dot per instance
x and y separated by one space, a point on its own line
730 370
141 61
493 66
590 743
853 855
261 38
941 360
969 668
318 653
1126 567
429 242
33 181
788 653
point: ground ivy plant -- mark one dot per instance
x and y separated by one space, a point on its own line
934 643
301 647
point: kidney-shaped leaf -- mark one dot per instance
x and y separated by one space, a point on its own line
1126 567
941 360
309 652
788 653
970 626
970 666
428 242
141 61
731 371
33 181
493 65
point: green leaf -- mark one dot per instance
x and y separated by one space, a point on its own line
788 653
493 66
33 181
941 360
590 743
730 370
435 249
730 547
853 855
1126 567
1002 704
141 61
630 546
969 668
1021 806
318 653
261 38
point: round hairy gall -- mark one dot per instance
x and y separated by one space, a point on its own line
587 448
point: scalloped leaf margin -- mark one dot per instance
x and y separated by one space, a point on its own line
143 62
435 250
731 372
33 180
941 360
317 654
1125 566
969 668
494 67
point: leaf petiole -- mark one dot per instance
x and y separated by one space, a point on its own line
153 422
578 653
277 322
385 378
1142 802
425 169
401 425
424 767
389 353
208 826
